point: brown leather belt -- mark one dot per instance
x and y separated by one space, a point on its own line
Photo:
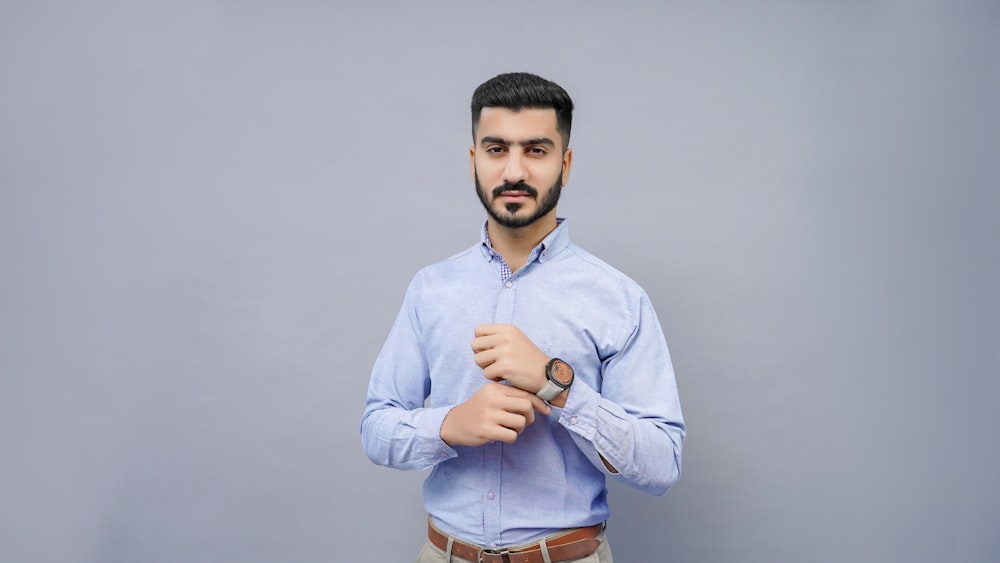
574 544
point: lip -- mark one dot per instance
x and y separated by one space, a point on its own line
515 195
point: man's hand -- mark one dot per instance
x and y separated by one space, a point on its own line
505 353
496 412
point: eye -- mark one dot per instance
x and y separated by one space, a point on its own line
537 150
494 149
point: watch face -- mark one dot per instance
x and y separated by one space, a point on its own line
562 372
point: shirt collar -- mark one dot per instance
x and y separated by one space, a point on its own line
552 244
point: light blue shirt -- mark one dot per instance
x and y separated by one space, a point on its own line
623 404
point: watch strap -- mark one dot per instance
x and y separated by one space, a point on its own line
549 391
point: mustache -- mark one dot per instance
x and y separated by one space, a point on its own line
518 187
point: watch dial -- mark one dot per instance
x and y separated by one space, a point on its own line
562 372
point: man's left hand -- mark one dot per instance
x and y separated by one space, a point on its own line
505 353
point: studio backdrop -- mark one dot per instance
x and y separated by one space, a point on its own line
209 212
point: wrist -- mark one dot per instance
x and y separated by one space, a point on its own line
559 377
560 400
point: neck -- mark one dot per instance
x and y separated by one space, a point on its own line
516 244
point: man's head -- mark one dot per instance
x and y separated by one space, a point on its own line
520 155
519 90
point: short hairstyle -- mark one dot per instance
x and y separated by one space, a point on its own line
519 90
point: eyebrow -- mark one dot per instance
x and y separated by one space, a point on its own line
523 143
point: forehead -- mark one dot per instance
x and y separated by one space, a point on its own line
527 123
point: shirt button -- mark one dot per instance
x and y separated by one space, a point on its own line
572 420
491 496
509 285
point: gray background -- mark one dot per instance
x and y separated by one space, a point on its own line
209 212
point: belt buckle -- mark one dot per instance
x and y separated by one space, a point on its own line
504 554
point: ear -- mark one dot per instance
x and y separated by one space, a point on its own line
566 165
472 162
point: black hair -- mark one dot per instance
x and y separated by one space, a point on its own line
519 90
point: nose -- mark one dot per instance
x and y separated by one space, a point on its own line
515 171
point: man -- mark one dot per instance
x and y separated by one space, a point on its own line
567 379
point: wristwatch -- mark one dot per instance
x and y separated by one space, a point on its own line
559 375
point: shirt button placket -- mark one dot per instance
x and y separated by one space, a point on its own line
505 302
494 454
491 508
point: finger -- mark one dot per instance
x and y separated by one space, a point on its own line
494 371
522 407
503 434
485 342
539 405
497 433
535 402
486 358
513 420
479 344
495 387
529 416
486 330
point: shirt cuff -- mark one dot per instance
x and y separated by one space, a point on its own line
579 414
429 435
581 417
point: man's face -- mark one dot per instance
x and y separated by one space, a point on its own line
519 165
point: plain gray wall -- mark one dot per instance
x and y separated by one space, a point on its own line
209 211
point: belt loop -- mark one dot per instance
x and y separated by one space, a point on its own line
447 552
545 550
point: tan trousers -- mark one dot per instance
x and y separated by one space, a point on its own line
433 554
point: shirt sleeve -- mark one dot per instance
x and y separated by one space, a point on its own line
397 430
635 421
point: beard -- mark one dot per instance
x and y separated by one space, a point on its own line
513 218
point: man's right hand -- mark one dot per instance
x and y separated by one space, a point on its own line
496 412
